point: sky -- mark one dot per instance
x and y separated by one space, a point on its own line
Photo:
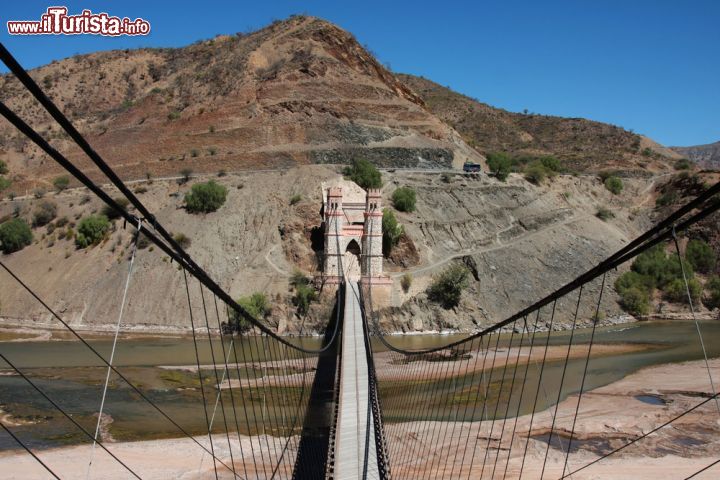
649 66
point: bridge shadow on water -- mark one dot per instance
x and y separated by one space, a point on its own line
314 447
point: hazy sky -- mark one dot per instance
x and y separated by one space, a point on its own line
650 66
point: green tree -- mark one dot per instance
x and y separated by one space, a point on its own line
61 183
3 168
676 291
205 197
448 286
500 164
655 264
44 213
91 230
634 280
712 295
364 174
635 301
404 199
15 235
256 305
614 184
304 295
392 231
701 256
4 183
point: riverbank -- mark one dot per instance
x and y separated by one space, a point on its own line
608 417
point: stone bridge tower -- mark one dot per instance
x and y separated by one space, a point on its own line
372 238
353 234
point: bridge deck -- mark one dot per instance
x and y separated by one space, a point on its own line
355 455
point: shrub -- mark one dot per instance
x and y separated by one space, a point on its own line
205 197
551 163
605 174
614 184
500 164
392 231
304 295
222 172
667 198
256 305
185 174
39 192
111 213
633 279
682 164
61 183
604 214
44 213
295 199
364 174
404 199
712 296
635 301
91 230
701 256
143 242
661 269
4 183
182 240
3 168
174 115
536 173
406 282
448 286
15 235
298 278
446 178
194 152
675 291
212 151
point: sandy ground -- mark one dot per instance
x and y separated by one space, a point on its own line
609 416
153 459
390 367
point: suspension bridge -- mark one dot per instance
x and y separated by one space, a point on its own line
359 405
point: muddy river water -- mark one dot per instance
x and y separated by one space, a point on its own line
74 378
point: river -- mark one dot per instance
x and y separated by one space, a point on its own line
74 377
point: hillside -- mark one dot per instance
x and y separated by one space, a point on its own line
298 91
583 145
258 238
706 156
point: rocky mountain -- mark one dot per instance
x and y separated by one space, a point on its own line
706 156
583 145
298 91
